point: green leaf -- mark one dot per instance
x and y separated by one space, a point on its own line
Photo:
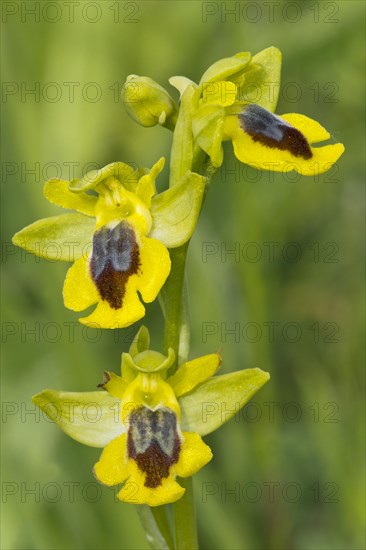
66 237
216 401
92 418
175 211
226 68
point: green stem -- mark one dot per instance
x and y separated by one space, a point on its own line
185 329
184 156
185 519
181 157
177 337
155 521
172 295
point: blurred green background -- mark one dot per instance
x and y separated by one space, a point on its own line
288 474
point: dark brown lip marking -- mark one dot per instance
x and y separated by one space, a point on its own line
153 442
270 130
115 257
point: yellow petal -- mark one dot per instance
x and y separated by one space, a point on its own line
114 384
146 185
57 191
193 456
146 189
106 317
154 268
192 373
112 467
135 492
79 291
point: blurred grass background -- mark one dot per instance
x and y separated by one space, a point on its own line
313 464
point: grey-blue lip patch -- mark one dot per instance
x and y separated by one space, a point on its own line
153 442
272 131
115 257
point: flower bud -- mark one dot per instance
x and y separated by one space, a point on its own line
148 103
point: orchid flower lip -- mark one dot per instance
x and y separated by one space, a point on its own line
153 442
114 259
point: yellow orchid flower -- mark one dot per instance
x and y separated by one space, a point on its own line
226 110
153 450
118 240
123 259
149 423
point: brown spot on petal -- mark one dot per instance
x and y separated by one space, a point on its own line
115 257
274 132
153 442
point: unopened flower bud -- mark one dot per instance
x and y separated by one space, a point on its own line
148 103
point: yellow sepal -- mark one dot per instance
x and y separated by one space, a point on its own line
57 191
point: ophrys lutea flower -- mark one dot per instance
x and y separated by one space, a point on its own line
118 240
149 423
235 100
